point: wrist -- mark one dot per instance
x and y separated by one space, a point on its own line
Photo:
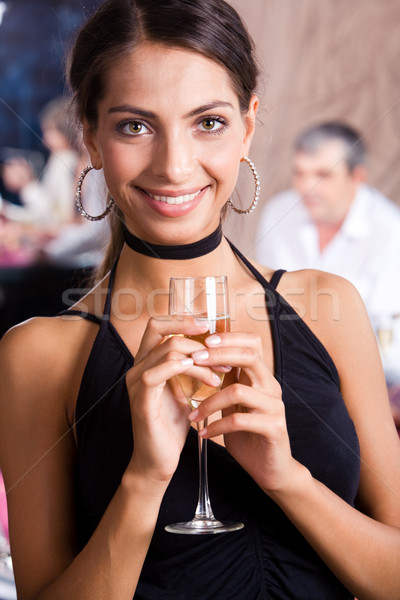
296 488
134 483
143 497
141 481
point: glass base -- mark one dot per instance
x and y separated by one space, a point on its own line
203 526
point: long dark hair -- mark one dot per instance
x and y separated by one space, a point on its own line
211 27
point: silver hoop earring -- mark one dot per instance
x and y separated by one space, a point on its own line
257 189
79 199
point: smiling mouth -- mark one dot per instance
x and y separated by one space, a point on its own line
174 199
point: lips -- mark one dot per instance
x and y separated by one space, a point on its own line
173 199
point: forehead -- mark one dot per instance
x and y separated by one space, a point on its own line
158 74
329 156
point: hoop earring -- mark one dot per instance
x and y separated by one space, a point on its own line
79 200
257 189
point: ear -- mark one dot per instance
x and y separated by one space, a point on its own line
91 143
359 174
250 124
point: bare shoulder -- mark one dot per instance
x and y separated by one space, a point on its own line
265 271
41 362
43 342
41 366
306 282
330 305
335 312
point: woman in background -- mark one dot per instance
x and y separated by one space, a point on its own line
47 201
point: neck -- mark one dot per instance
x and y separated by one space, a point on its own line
152 272
174 252
148 278
326 233
155 272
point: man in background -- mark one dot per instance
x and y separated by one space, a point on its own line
331 220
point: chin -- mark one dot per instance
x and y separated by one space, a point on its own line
315 210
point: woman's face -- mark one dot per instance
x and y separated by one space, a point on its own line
170 137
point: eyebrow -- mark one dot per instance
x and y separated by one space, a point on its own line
209 106
133 110
151 115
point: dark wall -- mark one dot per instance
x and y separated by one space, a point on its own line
34 37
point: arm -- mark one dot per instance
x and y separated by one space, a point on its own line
37 457
37 450
362 547
363 551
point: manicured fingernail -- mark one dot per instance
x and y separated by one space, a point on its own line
213 340
187 362
217 380
202 323
203 432
193 415
200 355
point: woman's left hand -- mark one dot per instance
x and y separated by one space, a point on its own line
253 415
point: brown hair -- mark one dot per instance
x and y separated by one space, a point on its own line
211 27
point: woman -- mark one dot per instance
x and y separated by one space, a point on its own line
96 447
47 202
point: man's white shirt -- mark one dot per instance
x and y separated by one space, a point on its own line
366 250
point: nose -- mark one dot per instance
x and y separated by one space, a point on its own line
173 157
305 184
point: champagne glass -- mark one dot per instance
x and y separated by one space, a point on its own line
205 298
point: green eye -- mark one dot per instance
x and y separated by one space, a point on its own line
208 124
135 127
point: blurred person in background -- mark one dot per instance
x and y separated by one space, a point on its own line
331 220
47 201
59 235
82 242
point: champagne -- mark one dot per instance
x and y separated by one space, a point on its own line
196 391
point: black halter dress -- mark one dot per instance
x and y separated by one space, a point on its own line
268 558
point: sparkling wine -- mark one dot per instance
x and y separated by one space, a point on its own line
196 391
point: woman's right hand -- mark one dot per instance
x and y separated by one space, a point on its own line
159 408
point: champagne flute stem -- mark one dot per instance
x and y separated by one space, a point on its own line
203 509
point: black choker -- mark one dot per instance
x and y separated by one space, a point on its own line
184 252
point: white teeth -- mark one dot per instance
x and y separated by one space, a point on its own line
175 199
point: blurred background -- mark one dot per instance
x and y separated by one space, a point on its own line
321 60
331 59
44 248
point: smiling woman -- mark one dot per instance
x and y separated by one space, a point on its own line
97 441
172 148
